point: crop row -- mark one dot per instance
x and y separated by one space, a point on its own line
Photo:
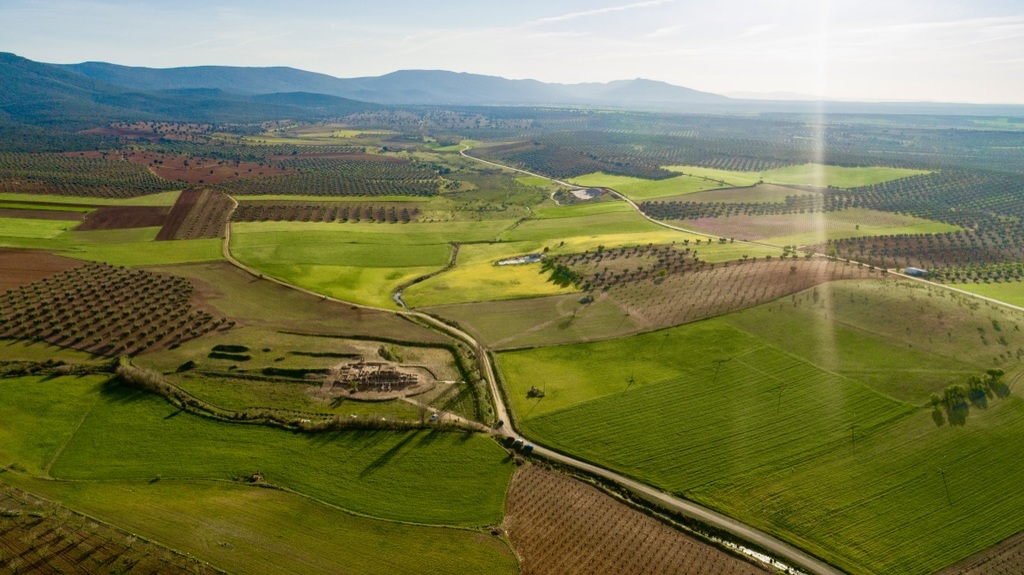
313 212
560 525
105 310
993 246
717 289
77 176
332 184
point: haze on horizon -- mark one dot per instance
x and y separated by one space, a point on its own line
913 50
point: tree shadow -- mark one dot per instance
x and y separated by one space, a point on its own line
1001 390
387 456
938 418
957 413
115 391
979 399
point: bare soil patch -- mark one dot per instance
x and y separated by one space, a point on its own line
562 526
121 217
41 214
22 267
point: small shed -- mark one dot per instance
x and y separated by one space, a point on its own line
916 272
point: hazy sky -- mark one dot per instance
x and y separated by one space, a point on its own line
939 50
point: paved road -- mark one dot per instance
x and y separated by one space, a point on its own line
774 546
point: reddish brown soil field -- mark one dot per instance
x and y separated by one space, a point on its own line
41 214
1007 558
40 537
105 311
197 214
191 170
562 526
121 217
22 267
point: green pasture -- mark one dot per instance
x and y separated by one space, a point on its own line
643 189
862 329
535 181
723 403
804 416
881 505
14 232
125 247
246 529
157 199
1009 292
582 210
817 175
418 476
39 414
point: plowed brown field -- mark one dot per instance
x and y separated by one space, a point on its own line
562 526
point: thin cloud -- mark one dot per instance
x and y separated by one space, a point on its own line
598 11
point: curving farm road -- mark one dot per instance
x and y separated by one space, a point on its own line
775 546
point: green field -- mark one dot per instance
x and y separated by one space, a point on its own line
799 411
816 175
245 529
14 231
760 193
641 189
123 247
1009 292
157 199
423 477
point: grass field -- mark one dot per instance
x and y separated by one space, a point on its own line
244 529
34 425
363 263
816 175
158 199
13 231
805 417
1009 292
125 247
761 193
807 229
421 477
641 189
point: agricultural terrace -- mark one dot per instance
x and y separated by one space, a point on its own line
561 525
641 189
257 530
640 289
757 402
198 214
106 311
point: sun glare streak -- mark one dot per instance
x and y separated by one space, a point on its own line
825 336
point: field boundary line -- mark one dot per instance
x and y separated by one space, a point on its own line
66 442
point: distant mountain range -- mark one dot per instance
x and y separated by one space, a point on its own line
405 87
70 96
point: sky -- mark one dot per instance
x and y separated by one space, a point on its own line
890 50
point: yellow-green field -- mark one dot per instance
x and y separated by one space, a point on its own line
642 189
158 199
1009 292
817 175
